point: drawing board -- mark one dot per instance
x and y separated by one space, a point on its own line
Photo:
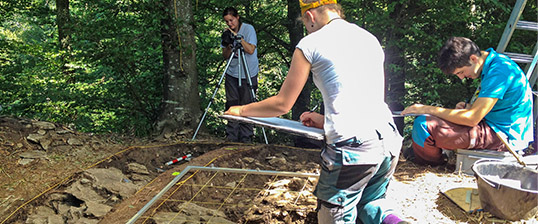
280 124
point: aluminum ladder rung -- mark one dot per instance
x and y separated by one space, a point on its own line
519 58
527 25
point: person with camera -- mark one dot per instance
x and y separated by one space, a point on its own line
362 144
239 36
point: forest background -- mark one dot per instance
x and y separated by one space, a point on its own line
149 68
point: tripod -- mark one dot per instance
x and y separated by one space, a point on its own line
239 51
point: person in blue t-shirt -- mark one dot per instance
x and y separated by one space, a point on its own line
502 109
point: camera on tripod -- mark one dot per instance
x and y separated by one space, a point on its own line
229 38
237 54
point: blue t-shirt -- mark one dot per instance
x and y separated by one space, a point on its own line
504 80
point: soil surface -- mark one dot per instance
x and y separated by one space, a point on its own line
52 174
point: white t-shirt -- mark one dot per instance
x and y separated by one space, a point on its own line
249 35
347 67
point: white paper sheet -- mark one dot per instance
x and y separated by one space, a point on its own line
280 124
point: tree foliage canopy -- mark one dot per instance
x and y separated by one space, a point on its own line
111 77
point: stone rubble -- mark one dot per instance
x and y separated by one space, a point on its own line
89 198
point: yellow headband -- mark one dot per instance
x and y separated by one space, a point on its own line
312 5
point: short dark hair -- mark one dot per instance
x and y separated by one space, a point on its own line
456 53
230 11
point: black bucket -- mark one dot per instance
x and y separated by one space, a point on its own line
507 190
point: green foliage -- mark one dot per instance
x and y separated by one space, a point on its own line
424 25
266 17
111 77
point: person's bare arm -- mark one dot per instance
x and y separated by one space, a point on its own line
248 47
284 100
468 117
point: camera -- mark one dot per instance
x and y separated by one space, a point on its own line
228 38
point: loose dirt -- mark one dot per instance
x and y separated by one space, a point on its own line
52 174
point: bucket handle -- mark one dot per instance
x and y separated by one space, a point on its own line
504 139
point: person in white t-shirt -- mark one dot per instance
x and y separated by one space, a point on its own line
362 143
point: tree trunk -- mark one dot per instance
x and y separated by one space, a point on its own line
180 108
62 20
296 31
394 65
64 32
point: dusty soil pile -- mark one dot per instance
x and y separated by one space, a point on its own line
51 174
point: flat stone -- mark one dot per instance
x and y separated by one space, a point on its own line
57 197
139 177
84 192
97 209
44 215
217 220
45 143
248 159
137 168
279 161
25 161
111 180
45 125
85 181
74 141
61 132
75 213
87 221
192 213
34 154
35 138
61 207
